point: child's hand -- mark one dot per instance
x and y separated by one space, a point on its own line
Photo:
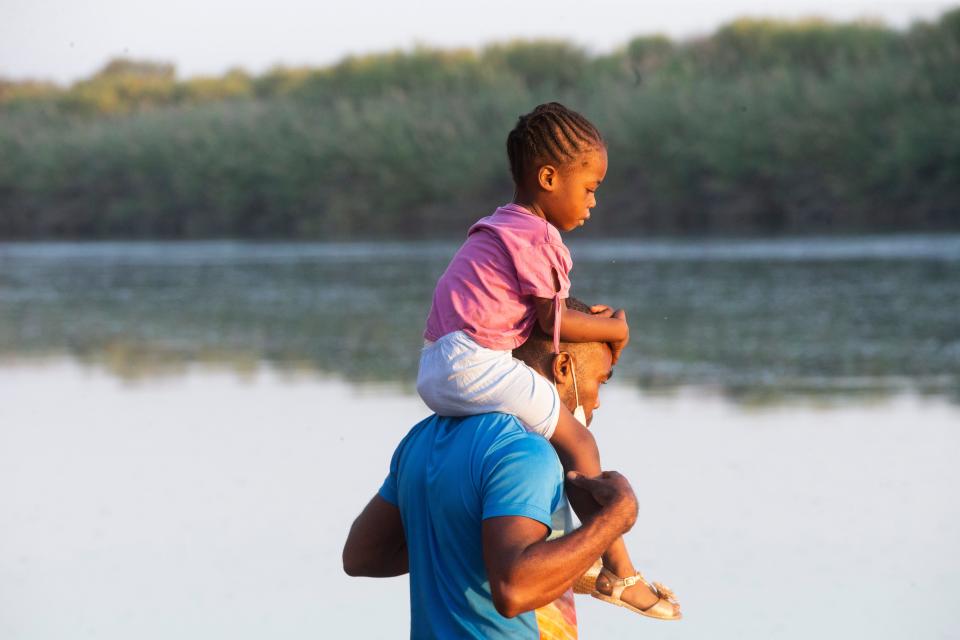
617 347
602 310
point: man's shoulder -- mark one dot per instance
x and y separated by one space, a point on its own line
508 443
519 474
489 437
495 431
491 420
510 432
494 424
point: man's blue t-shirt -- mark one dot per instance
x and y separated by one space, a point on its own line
446 477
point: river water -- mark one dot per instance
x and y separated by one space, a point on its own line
187 431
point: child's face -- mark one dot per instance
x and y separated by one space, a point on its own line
567 206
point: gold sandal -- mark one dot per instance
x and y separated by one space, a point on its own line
587 583
662 609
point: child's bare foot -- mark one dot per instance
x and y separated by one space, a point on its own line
642 596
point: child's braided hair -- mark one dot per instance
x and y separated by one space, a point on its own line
551 133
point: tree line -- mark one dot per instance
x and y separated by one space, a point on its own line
763 126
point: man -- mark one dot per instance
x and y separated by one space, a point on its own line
466 510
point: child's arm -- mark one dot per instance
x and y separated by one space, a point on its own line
575 445
577 450
576 326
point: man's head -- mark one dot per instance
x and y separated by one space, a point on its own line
590 362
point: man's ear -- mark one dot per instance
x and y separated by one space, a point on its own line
562 363
547 177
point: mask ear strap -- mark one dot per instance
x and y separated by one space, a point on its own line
573 370
557 314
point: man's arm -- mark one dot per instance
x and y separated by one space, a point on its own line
376 546
527 572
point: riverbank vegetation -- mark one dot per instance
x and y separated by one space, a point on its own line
762 127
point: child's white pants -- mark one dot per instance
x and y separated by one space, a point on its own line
458 377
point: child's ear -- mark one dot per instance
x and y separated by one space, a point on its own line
547 176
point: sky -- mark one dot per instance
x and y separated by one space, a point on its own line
66 40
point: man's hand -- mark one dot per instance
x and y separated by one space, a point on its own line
602 310
612 492
617 347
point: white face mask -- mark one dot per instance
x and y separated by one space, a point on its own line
578 413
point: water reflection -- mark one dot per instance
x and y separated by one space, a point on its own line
759 320
210 507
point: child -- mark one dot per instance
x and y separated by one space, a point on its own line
511 273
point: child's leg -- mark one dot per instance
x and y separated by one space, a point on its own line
458 377
577 450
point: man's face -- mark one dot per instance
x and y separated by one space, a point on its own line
595 368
